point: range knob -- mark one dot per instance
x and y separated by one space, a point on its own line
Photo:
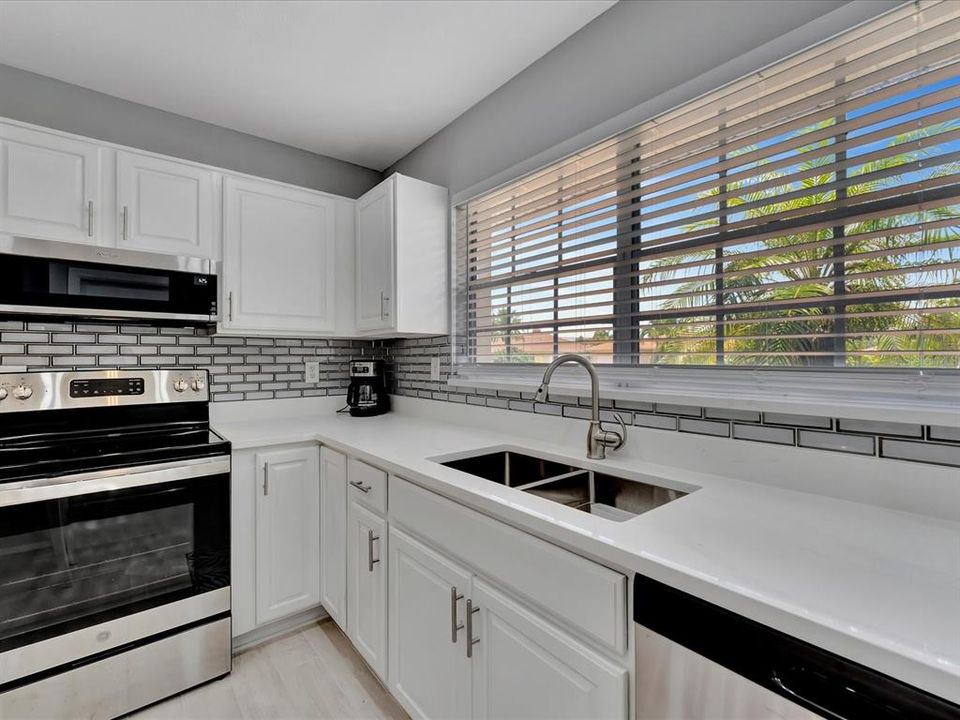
180 385
198 384
22 392
3 393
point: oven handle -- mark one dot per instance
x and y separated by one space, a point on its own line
31 491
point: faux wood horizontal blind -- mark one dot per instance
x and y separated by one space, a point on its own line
806 215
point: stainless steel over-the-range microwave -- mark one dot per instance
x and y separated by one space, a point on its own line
41 278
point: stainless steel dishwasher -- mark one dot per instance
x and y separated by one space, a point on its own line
697 661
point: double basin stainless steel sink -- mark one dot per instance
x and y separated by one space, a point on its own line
591 491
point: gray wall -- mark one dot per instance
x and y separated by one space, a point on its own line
51 103
636 60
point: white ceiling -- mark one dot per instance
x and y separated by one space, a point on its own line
363 81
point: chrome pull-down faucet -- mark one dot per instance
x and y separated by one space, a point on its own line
598 439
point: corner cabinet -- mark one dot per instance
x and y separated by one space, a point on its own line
50 186
276 535
279 258
165 206
401 255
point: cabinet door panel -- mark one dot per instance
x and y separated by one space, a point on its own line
524 667
278 258
429 673
333 538
168 205
375 258
367 591
288 533
49 186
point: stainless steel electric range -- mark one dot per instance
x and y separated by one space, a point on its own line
114 541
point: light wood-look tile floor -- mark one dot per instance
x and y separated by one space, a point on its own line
312 674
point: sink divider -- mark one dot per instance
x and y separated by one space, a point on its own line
561 476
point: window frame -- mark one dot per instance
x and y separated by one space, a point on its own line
932 394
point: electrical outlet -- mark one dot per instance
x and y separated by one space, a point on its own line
312 373
435 368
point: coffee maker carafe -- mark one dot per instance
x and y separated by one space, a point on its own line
367 394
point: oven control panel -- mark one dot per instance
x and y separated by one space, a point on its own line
100 387
30 391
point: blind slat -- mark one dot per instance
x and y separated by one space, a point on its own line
808 214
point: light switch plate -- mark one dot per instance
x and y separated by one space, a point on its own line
312 373
435 369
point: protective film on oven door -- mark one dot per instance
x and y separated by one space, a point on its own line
77 561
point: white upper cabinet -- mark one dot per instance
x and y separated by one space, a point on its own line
165 206
49 186
375 247
401 275
278 258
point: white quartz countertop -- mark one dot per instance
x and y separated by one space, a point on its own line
877 586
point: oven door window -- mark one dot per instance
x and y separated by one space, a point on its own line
79 561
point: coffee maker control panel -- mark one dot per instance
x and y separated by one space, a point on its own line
363 368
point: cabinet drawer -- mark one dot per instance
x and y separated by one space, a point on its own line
586 598
368 485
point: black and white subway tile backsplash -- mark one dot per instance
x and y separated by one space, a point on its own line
408 363
262 368
241 368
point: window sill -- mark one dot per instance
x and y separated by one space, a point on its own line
927 398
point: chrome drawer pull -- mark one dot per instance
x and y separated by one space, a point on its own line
470 639
455 625
370 561
360 486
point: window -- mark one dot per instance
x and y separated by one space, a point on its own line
805 216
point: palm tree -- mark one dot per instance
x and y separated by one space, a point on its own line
802 266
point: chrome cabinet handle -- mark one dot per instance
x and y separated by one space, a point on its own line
230 305
381 304
370 561
360 486
266 479
471 641
124 222
455 625
384 306
89 218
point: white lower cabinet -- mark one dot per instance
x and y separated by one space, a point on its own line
333 534
524 667
367 586
276 535
453 639
429 669
288 533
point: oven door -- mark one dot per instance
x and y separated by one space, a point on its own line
58 280
95 562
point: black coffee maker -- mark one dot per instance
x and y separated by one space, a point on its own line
367 394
